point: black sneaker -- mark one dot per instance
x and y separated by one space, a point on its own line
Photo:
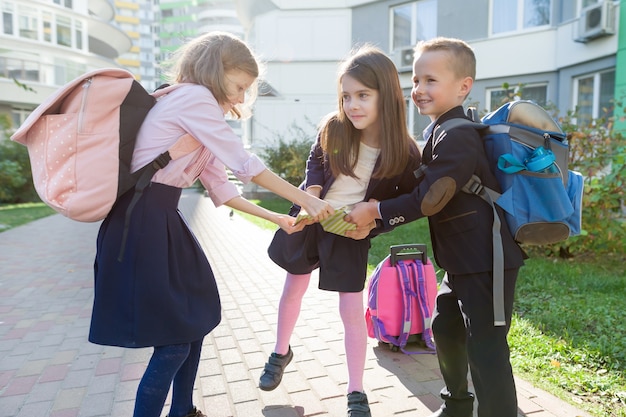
358 405
273 371
194 413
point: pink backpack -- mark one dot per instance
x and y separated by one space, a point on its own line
401 298
81 140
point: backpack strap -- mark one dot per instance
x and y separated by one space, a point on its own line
142 183
184 144
413 272
475 186
422 301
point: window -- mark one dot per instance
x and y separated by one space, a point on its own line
412 22
46 25
64 3
499 96
64 32
515 15
593 96
586 3
28 22
78 34
18 116
7 19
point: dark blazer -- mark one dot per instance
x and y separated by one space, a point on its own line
461 230
318 172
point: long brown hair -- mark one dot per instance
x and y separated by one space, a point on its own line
340 139
206 59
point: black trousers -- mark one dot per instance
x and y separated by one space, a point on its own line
466 338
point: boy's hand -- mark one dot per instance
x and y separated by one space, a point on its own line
360 232
363 214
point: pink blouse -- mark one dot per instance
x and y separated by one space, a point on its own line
193 110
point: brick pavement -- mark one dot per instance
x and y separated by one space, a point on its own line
48 368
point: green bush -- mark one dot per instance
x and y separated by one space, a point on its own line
288 158
16 183
599 154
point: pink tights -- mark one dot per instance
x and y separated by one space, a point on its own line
352 316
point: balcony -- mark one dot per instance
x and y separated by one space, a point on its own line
107 40
101 8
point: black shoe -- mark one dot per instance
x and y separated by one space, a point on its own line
273 371
194 413
358 405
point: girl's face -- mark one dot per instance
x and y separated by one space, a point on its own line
360 103
237 83
436 88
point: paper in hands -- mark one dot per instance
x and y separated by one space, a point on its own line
333 224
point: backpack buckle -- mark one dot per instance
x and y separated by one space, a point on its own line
473 186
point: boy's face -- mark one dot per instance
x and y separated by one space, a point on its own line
436 88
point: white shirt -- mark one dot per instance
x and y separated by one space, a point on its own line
346 190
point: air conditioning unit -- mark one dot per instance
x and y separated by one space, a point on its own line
596 20
403 58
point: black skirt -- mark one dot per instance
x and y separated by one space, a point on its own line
163 290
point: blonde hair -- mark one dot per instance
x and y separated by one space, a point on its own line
462 58
206 59
339 138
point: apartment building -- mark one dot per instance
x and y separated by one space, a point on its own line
562 53
137 19
46 43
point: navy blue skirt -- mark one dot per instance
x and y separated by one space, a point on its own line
163 290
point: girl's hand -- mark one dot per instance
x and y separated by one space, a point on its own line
286 223
360 232
317 209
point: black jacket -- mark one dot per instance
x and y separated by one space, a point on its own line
461 229
318 172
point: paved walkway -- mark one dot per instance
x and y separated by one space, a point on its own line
47 367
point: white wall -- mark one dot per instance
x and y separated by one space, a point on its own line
537 52
302 49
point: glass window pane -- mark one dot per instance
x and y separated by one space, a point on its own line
607 88
504 17
589 2
536 13
64 33
584 102
402 26
538 94
7 20
47 26
28 22
499 97
78 34
426 25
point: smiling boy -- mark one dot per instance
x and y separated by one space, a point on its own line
460 226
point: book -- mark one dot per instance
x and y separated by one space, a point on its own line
333 224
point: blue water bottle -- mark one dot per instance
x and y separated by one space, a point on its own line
541 160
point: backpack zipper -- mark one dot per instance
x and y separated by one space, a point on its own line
83 104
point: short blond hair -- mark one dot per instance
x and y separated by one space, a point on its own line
461 54
205 61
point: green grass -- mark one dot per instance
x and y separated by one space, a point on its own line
13 215
568 334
